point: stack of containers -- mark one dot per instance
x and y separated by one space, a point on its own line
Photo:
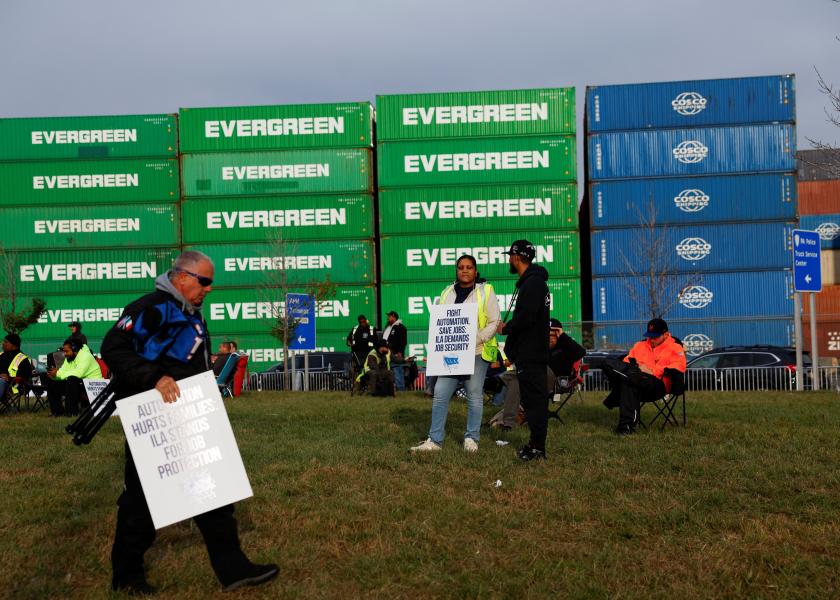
703 172
469 173
280 197
90 218
819 210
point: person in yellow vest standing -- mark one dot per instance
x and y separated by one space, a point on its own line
13 363
468 287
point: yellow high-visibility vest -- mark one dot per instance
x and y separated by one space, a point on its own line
491 346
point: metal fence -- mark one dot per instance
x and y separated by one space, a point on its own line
739 379
730 379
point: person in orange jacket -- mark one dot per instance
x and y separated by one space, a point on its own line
646 374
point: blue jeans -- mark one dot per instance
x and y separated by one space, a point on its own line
3 385
445 387
399 377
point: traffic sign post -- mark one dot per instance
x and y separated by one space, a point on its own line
807 277
301 308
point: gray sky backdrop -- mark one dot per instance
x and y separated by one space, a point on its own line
62 57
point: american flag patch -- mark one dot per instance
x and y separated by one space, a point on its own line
125 323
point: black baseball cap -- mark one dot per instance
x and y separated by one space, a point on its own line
554 324
13 339
75 324
361 318
655 328
394 313
523 248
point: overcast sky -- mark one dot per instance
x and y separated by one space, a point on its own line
78 57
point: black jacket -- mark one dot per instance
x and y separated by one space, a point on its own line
564 355
122 346
527 331
398 338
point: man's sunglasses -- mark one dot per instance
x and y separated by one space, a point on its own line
202 280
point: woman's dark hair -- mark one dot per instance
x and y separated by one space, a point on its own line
471 258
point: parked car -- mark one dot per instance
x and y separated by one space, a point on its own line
327 371
745 368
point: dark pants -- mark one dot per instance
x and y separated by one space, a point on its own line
380 377
629 387
73 391
136 532
534 398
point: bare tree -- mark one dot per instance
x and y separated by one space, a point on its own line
278 284
662 286
829 162
14 320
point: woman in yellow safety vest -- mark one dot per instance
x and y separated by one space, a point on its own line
468 287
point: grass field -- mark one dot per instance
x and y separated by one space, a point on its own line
743 503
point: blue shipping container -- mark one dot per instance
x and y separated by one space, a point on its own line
828 226
691 103
678 152
693 248
620 203
692 296
701 336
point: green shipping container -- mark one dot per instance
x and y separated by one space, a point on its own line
481 208
253 265
270 173
255 310
476 114
433 257
476 161
111 136
277 217
412 301
96 312
236 128
97 226
47 272
79 183
265 350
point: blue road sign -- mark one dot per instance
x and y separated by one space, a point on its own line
807 276
301 307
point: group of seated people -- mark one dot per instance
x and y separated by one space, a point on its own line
63 382
652 368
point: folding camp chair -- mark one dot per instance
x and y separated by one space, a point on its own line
225 378
565 388
665 406
17 393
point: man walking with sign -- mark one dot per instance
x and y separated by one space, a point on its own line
527 343
159 339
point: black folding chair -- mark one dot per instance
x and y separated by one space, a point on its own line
564 389
666 405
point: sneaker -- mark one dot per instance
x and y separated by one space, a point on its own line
625 430
256 575
470 445
426 446
526 453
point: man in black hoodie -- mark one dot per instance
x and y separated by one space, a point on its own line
159 339
527 343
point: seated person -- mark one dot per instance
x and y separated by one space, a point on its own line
644 375
66 381
564 352
13 363
220 358
378 370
